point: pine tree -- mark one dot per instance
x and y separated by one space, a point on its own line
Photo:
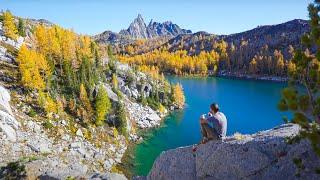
10 29
305 105
103 105
21 28
121 123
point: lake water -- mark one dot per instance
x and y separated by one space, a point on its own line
249 105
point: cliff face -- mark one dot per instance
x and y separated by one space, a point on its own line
264 155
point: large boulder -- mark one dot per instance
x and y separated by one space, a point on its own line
113 96
264 155
8 124
4 100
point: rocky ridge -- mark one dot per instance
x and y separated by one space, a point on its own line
264 155
139 30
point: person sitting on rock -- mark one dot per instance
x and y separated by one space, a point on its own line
213 125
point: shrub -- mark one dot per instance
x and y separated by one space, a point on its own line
47 124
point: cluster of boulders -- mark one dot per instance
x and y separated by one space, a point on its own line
68 155
144 116
264 155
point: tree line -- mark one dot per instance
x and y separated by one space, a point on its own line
223 57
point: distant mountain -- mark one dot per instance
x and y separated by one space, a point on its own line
278 37
139 30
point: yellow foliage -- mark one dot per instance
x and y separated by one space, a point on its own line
253 66
84 47
33 68
178 95
177 62
9 27
114 81
115 133
47 41
62 45
162 109
47 103
87 110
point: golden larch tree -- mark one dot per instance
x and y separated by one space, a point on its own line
178 95
10 28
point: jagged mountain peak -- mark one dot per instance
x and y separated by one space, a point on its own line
139 30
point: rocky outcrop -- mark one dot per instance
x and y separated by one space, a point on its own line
143 116
264 155
8 124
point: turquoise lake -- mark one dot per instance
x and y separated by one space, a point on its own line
249 105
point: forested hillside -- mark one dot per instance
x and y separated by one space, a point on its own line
263 51
72 100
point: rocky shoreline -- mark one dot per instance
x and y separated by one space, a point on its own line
230 75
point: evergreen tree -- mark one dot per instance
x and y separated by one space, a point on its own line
103 105
21 28
306 104
121 123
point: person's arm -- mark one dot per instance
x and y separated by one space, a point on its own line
211 119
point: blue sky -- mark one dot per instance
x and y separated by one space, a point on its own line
214 16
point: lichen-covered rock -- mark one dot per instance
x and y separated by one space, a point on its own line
264 155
